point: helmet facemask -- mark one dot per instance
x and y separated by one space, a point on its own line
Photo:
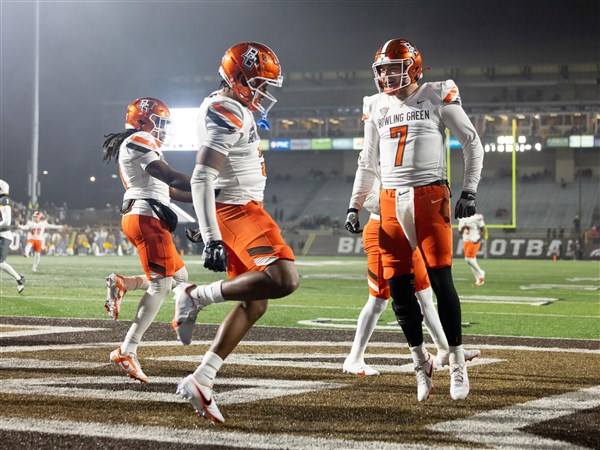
258 86
391 84
163 129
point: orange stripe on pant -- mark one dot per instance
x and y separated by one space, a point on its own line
471 249
252 238
154 244
378 286
433 231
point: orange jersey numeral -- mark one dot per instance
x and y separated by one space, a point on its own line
399 132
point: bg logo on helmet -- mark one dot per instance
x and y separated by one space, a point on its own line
145 105
250 57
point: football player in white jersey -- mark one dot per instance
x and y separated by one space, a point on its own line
405 136
6 236
36 236
150 184
472 230
240 236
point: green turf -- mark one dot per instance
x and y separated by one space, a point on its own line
331 288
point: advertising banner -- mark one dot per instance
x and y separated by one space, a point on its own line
300 144
280 144
321 144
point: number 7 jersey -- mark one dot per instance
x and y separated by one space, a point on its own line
409 136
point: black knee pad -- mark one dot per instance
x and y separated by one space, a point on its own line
404 302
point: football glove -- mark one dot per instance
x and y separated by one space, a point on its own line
193 235
465 207
215 256
352 224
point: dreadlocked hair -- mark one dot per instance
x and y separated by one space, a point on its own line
110 148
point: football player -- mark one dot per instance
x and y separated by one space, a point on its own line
405 136
240 237
36 236
379 294
6 236
150 184
472 230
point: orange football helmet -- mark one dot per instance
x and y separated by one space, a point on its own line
149 115
248 68
402 53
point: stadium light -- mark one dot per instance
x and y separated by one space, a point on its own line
92 179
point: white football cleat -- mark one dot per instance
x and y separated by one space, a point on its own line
424 373
129 363
359 368
201 397
115 290
459 382
186 312
21 284
443 359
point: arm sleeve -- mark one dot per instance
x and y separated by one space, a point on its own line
203 196
455 118
368 163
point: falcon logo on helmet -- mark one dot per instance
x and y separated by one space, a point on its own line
397 65
248 69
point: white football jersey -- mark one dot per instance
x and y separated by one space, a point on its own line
409 140
471 227
135 153
228 127
37 230
5 218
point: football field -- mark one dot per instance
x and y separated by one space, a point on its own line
536 385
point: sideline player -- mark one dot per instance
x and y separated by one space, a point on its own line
379 294
228 186
405 135
6 236
472 230
150 184
36 236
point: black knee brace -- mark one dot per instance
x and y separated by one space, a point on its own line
404 302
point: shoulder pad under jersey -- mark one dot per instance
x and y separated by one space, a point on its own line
225 113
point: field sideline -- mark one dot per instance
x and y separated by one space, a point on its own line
534 386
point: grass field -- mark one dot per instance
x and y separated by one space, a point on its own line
520 298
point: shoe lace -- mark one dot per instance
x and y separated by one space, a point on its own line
420 374
458 374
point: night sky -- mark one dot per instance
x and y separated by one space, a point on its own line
94 54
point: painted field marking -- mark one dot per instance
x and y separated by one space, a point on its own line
318 361
36 330
578 287
247 389
500 428
136 433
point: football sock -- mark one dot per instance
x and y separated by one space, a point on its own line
207 371
431 319
472 262
457 355
147 309
136 282
36 260
9 270
207 294
367 320
419 354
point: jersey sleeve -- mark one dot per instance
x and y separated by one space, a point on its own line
224 123
143 148
367 172
449 93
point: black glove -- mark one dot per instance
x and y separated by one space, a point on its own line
215 256
465 207
193 235
352 224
